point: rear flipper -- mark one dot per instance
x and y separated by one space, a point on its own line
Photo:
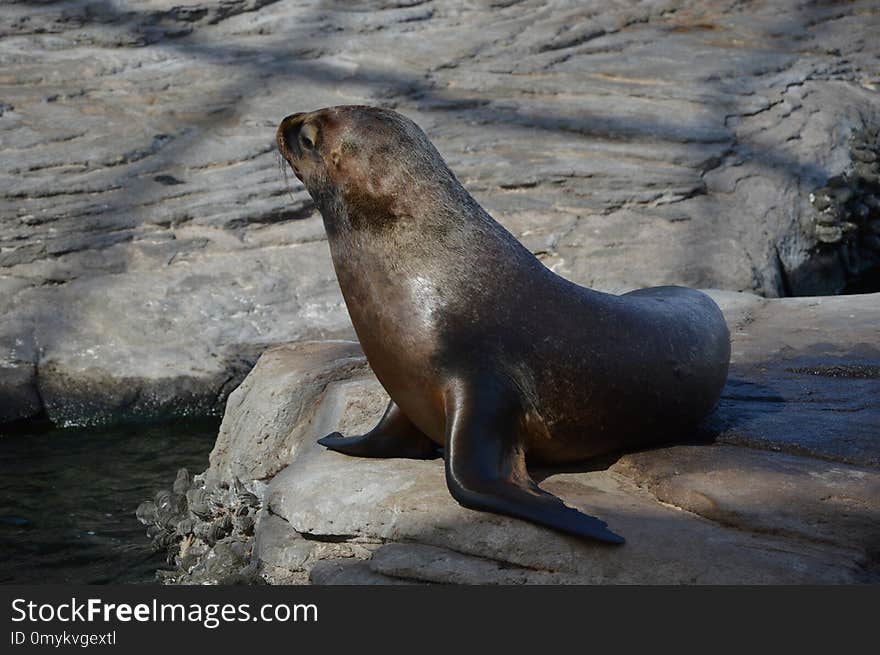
485 464
394 436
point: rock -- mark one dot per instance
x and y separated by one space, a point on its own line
286 557
440 565
395 501
151 248
349 572
798 497
281 548
266 416
804 377
768 501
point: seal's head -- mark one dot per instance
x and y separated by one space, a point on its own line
362 165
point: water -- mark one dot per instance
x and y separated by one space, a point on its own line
68 497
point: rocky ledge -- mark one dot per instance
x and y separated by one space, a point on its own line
782 484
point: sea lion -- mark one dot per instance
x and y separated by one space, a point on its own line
484 351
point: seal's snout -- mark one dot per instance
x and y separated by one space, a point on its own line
288 132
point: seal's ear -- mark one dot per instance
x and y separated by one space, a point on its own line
334 157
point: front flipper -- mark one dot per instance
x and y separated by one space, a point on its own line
394 436
485 462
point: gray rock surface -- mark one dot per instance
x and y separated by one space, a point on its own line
150 247
268 416
787 492
805 376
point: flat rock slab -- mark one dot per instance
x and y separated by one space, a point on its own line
777 494
762 509
151 248
388 501
804 377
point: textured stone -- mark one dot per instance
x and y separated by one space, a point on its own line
782 494
805 377
150 247
267 415
444 566
396 500
349 572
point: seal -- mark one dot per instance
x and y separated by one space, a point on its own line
484 351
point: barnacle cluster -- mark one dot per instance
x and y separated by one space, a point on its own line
847 215
207 533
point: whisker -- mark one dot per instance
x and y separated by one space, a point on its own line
283 166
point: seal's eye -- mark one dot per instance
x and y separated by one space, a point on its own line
308 136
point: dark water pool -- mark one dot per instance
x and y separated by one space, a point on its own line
68 497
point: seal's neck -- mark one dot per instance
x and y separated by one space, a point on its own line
439 237
423 221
